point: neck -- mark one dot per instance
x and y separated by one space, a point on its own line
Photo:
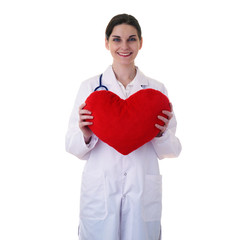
124 73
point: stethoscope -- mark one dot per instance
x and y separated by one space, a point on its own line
100 85
104 87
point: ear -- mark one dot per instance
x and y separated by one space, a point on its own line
141 43
106 44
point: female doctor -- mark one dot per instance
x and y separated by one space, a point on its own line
120 194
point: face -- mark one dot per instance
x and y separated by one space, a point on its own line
123 44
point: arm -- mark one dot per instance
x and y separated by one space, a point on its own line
79 139
167 145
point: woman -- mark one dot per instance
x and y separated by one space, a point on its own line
120 194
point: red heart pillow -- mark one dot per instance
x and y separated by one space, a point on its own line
126 124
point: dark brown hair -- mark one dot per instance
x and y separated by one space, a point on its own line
123 19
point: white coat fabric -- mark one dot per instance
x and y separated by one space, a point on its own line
120 195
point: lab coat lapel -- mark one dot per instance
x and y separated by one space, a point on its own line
109 79
141 82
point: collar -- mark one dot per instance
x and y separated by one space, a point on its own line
109 78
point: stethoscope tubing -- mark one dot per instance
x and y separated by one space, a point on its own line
104 87
100 84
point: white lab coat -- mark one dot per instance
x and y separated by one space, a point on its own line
120 195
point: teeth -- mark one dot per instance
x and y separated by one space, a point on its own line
124 54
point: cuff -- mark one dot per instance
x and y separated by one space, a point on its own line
163 138
92 142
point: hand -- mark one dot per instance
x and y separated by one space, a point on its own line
165 120
84 115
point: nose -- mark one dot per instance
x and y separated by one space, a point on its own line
124 45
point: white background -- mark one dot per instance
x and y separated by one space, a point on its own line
48 47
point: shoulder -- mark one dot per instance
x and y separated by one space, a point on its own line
86 88
155 84
90 84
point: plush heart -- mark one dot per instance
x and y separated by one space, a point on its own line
126 124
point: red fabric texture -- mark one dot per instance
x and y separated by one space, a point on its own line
127 124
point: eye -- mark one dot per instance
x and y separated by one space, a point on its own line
132 39
116 39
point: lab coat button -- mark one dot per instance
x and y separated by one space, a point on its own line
125 174
124 195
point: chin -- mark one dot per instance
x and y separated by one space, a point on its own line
125 61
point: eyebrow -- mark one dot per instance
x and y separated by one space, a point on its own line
120 37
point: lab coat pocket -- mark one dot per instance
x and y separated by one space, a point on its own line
93 196
152 199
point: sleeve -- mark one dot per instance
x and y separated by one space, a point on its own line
168 145
74 140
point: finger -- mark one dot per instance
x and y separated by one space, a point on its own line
161 128
84 111
84 117
82 106
171 107
165 120
169 114
84 124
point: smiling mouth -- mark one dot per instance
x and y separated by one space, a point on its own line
125 54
